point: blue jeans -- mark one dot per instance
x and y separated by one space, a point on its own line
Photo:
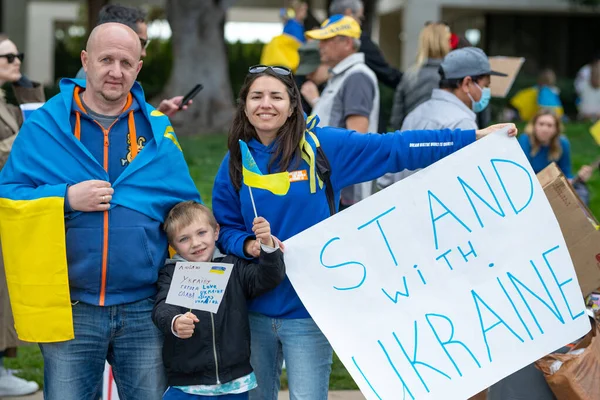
307 355
125 336
176 394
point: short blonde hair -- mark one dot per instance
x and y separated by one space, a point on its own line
184 214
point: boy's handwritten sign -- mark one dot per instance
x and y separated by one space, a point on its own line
444 283
199 285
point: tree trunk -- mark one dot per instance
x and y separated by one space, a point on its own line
370 13
93 9
199 56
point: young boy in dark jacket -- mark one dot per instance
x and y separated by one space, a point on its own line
206 354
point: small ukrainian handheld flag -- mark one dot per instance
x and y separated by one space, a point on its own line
278 183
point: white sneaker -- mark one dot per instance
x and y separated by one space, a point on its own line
11 385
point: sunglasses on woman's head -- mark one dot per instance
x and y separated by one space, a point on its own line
10 57
257 69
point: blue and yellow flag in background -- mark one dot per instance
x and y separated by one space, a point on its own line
530 100
278 183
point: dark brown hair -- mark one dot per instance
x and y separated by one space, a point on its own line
288 138
184 214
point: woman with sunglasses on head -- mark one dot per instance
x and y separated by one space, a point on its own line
269 118
11 120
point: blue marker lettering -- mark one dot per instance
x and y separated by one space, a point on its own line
449 341
342 265
376 220
477 299
466 186
499 160
554 309
420 274
437 218
404 386
561 284
445 259
512 303
413 362
365 378
465 255
404 294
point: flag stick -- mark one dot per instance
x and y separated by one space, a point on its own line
253 206
252 199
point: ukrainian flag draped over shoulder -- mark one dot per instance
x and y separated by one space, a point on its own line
45 158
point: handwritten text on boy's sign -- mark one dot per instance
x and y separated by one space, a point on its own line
444 283
198 285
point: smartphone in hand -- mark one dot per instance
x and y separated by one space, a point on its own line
191 94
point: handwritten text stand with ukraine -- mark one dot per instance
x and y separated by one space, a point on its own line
199 285
444 283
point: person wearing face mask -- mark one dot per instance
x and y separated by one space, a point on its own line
464 91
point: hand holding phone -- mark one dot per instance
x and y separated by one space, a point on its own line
190 95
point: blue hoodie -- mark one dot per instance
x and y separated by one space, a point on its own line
354 158
113 257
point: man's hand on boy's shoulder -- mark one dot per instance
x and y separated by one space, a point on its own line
183 325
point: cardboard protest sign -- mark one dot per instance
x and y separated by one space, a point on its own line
445 282
199 285
500 85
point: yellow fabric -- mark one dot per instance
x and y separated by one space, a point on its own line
35 260
308 154
595 132
156 113
335 26
169 135
525 101
278 183
282 50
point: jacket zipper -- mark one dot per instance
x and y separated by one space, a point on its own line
105 223
212 321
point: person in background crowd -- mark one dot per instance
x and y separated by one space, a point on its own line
385 73
589 105
584 74
545 143
351 98
464 92
420 80
311 75
545 95
283 49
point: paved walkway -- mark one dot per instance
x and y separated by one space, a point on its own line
36 396
337 395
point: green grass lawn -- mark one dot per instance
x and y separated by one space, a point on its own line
204 155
